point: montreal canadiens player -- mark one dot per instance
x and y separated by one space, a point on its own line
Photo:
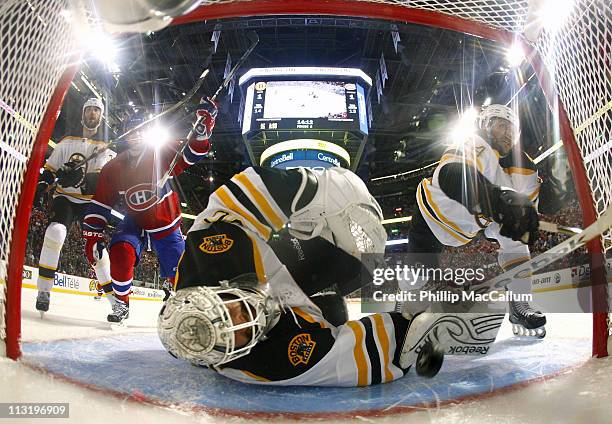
484 184
151 213
245 306
73 188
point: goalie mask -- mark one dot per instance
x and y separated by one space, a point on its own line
501 126
92 122
344 213
210 326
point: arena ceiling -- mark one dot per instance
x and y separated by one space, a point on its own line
433 74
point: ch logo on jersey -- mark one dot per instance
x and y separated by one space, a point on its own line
141 197
300 349
218 243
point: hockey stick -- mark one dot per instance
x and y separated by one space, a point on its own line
525 269
173 108
254 38
551 227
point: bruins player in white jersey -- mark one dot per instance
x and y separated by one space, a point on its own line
74 183
245 303
484 184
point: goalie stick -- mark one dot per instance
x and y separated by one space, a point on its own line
603 223
254 38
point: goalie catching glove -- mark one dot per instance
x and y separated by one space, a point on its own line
516 214
342 211
94 245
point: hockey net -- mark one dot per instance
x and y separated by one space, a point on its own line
38 43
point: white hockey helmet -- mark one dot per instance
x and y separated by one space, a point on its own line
95 102
497 111
196 324
344 213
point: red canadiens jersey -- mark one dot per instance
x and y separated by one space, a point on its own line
131 180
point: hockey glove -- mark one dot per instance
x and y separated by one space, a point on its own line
516 215
39 196
69 176
206 114
94 245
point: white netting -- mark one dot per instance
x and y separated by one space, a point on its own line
35 42
35 39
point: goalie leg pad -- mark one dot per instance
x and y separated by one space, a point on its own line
456 334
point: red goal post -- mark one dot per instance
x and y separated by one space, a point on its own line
573 65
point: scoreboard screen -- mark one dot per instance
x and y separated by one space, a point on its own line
309 102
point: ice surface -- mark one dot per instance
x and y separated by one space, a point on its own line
580 394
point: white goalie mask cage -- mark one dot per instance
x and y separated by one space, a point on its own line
196 324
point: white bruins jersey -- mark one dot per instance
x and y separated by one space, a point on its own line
232 237
76 149
452 223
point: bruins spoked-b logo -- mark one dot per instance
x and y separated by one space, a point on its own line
218 243
300 349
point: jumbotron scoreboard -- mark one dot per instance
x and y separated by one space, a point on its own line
305 116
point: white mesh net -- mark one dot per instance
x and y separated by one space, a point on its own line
35 42
35 39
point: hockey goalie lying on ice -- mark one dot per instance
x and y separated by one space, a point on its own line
249 305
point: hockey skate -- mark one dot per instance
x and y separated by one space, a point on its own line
121 312
42 302
526 321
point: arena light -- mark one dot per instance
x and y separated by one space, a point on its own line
396 242
554 13
548 15
465 127
515 55
156 136
396 220
100 46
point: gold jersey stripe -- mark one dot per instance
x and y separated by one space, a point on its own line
231 205
264 205
59 190
254 376
449 157
507 265
49 267
307 317
178 264
383 340
424 209
360 360
535 194
444 219
517 170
